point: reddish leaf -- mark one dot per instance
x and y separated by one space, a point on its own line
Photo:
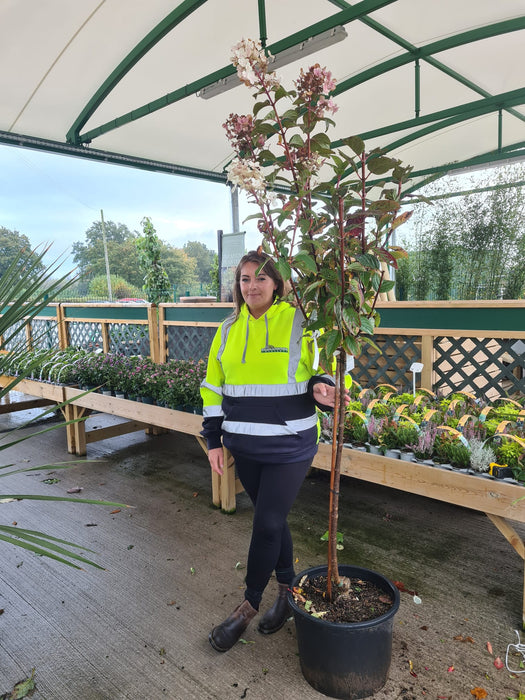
489 648
117 510
498 663
450 669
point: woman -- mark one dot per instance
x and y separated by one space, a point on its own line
259 395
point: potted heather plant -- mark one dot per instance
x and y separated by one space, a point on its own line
326 213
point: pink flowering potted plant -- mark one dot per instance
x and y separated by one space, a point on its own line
326 212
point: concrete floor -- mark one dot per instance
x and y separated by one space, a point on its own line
174 568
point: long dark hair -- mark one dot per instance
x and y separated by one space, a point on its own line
269 269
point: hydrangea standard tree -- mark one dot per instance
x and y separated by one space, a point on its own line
326 212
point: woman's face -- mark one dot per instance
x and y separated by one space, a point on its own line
257 290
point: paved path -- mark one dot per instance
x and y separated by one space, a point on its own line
138 630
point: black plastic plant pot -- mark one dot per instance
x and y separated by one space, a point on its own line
502 472
345 660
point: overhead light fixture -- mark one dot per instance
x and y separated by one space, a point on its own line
294 53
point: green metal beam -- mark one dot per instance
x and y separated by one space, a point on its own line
468 110
263 36
473 190
412 49
340 18
8 138
429 50
168 23
476 162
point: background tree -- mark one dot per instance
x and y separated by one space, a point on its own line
98 287
122 256
11 243
122 252
156 281
179 266
204 258
469 246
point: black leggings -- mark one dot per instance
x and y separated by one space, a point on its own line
272 488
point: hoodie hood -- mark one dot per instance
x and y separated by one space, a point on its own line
275 309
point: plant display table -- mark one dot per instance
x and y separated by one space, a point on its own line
501 501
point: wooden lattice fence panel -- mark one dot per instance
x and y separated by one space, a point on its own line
129 339
486 367
391 365
189 342
85 335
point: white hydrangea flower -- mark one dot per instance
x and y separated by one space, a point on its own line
247 175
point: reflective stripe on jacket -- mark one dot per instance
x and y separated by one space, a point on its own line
257 393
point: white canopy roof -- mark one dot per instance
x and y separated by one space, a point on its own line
435 81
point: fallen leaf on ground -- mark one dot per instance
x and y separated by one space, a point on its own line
479 693
117 510
498 663
76 489
21 689
461 638
195 494
401 587
489 647
450 669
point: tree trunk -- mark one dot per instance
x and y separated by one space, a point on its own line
335 472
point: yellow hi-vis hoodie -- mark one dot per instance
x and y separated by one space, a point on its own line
258 390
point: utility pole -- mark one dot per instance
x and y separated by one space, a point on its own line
110 292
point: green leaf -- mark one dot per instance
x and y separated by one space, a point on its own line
331 341
21 689
283 268
258 106
356 144
351 345
386 286
320 142
265 156
305 262
379 165
369 261
296 141
367 325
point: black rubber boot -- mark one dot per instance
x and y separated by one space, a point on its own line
276 616
225 635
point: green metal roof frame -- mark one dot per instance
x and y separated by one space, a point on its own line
73 136
76 141
348 13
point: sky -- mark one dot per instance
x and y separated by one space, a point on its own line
55 199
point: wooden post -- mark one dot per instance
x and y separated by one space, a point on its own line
427 358
155 349
162 331
105 336
63 335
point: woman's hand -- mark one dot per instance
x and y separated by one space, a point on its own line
325 394
216 459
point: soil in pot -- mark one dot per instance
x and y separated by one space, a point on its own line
358 601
